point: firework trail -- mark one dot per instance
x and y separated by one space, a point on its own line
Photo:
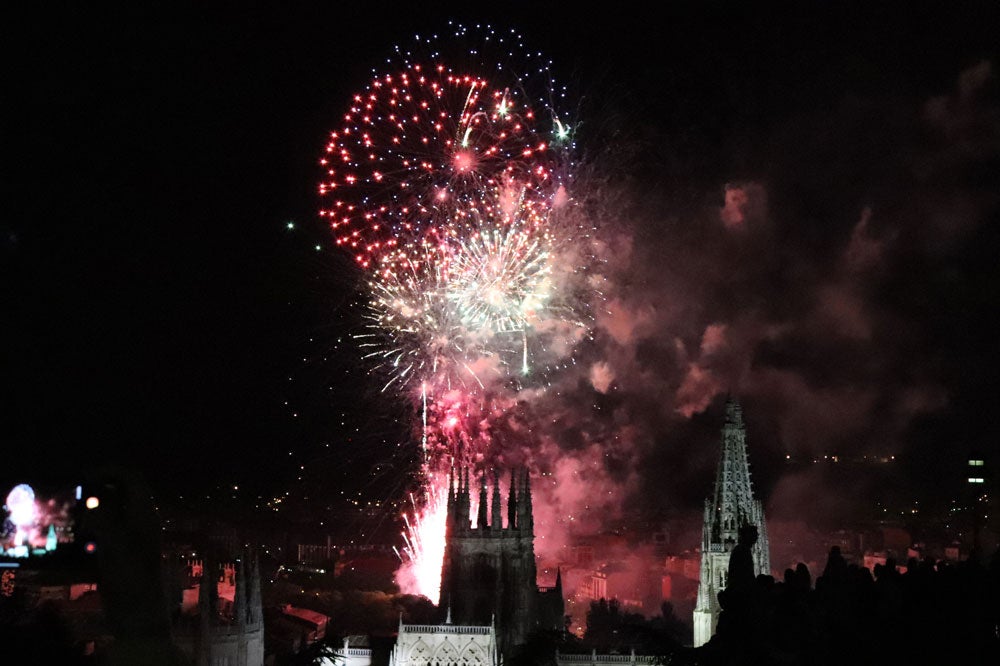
452 191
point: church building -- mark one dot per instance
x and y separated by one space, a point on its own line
488 578
445 645
731 507
222 631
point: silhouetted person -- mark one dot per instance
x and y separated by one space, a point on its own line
741 630
741 570
836 566
803 577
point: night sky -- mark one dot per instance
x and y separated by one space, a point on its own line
810 202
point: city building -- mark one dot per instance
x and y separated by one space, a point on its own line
488 578
220 631
731 507
594 659
441 644
355 652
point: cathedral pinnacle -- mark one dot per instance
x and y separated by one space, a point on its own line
734 413
512 503
495 515
481 518
730 511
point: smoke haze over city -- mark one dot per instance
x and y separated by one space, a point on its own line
800 214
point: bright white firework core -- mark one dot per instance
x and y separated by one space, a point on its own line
420 572
499 279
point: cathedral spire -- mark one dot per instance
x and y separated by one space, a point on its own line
490 572
731 507
512 503
733 494
255 610
452 500
524 518
496 521
734 412
240 597
462 500
483 507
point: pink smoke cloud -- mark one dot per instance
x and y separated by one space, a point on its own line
622 322
744 203
601 376
714 339
696 391
863 251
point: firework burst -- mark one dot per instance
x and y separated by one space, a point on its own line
500 278
420 149
465 301
449 188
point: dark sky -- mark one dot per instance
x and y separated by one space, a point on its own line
158 313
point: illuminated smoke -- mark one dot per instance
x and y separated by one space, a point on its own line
453 190
420 571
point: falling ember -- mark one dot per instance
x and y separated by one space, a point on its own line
424 537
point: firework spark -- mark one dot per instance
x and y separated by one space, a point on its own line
423 553
500 278
420 149
449 188
464 302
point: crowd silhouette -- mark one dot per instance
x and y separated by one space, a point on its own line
936 612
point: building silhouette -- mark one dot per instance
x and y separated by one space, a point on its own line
731 507
219 632
488 576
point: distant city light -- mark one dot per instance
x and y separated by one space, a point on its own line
92 503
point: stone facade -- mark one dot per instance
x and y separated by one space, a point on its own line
594 659
731 507
349 656
220 634
489 575
445 645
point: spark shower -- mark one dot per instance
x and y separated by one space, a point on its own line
452 185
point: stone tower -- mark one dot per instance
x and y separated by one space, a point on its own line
220 632
488 575
731 507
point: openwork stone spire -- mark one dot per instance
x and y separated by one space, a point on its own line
731 507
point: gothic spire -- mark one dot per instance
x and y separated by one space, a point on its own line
255 611
452 500
495 516
524 509
240 598
732 499
512 503
730 507
462 510
483 507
